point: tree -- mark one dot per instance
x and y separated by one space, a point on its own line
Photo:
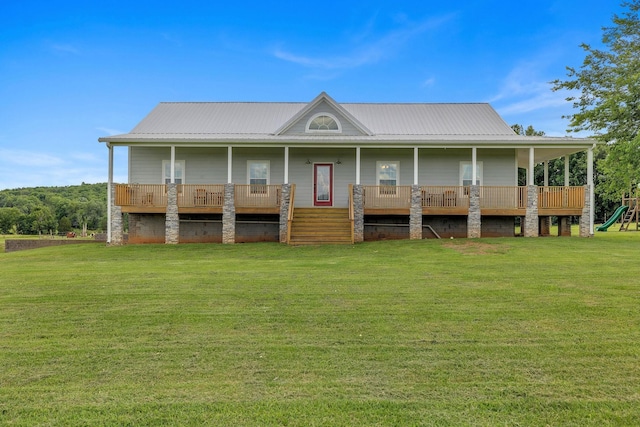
608 103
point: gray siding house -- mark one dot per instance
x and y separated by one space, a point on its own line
329 172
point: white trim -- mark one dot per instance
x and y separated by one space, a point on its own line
566 171
415 165
173 165
331 116
532 165
474 164
109 186
357 165
229 164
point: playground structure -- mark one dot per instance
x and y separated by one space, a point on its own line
628 213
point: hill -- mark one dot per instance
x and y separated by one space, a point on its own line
39 210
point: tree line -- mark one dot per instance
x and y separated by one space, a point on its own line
49 210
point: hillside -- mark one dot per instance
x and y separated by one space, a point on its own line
38 210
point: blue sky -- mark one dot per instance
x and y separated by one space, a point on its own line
73 71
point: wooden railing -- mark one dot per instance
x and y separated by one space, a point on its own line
444 196
560 197
257 196
504 197
386 196
149 195
292 197
200 195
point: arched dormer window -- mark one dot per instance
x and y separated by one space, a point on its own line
323 122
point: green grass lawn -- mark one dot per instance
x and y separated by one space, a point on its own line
540 331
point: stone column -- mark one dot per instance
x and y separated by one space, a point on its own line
117 235
229 215
415 214
285 200
585 218
172 219
474 220
358 213
531 216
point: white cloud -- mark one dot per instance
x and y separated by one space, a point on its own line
28 158
428 82
110 131
362 53
65 49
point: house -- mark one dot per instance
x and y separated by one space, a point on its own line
325 171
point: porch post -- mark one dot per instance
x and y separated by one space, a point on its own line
474 219
286 165
532 164
474 166
109 195
172 219
173 164
415 165
546 173
531 223
357 166
358 213
229 164
284 212
415 214
566 170
586 224
229 214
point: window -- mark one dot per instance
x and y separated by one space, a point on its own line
179 171
324 122
258 176
388 174
466 173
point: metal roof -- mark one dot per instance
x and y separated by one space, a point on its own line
265 123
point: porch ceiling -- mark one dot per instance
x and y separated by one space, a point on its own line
546 153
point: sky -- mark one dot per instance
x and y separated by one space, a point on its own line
73 71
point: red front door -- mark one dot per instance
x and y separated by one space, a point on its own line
323 184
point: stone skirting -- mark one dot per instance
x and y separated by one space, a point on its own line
585 218
531 217
172 219
358 214
285 201
415 216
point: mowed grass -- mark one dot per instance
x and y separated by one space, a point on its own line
488 332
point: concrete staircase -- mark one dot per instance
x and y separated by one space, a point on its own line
317 226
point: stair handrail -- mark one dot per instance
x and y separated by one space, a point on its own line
292 196
351 212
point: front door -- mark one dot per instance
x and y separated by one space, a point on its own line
323 184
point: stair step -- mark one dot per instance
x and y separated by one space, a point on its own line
315 226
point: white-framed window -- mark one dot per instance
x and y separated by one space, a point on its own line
323 122
258 172
387 176
466 173
179 171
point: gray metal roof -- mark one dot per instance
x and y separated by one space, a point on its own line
390 124
237 118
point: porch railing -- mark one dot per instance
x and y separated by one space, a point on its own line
560 197
503 197
149 195
257 196
200 195
386 196
292 199
444 196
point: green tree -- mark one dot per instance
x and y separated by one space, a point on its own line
9 219
608 99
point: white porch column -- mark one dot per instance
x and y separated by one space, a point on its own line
415 165
591 192
109 187
546 173
286 165
474 165
566 170
173 164
229 164
357 165
532 164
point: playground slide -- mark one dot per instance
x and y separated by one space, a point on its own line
614 218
